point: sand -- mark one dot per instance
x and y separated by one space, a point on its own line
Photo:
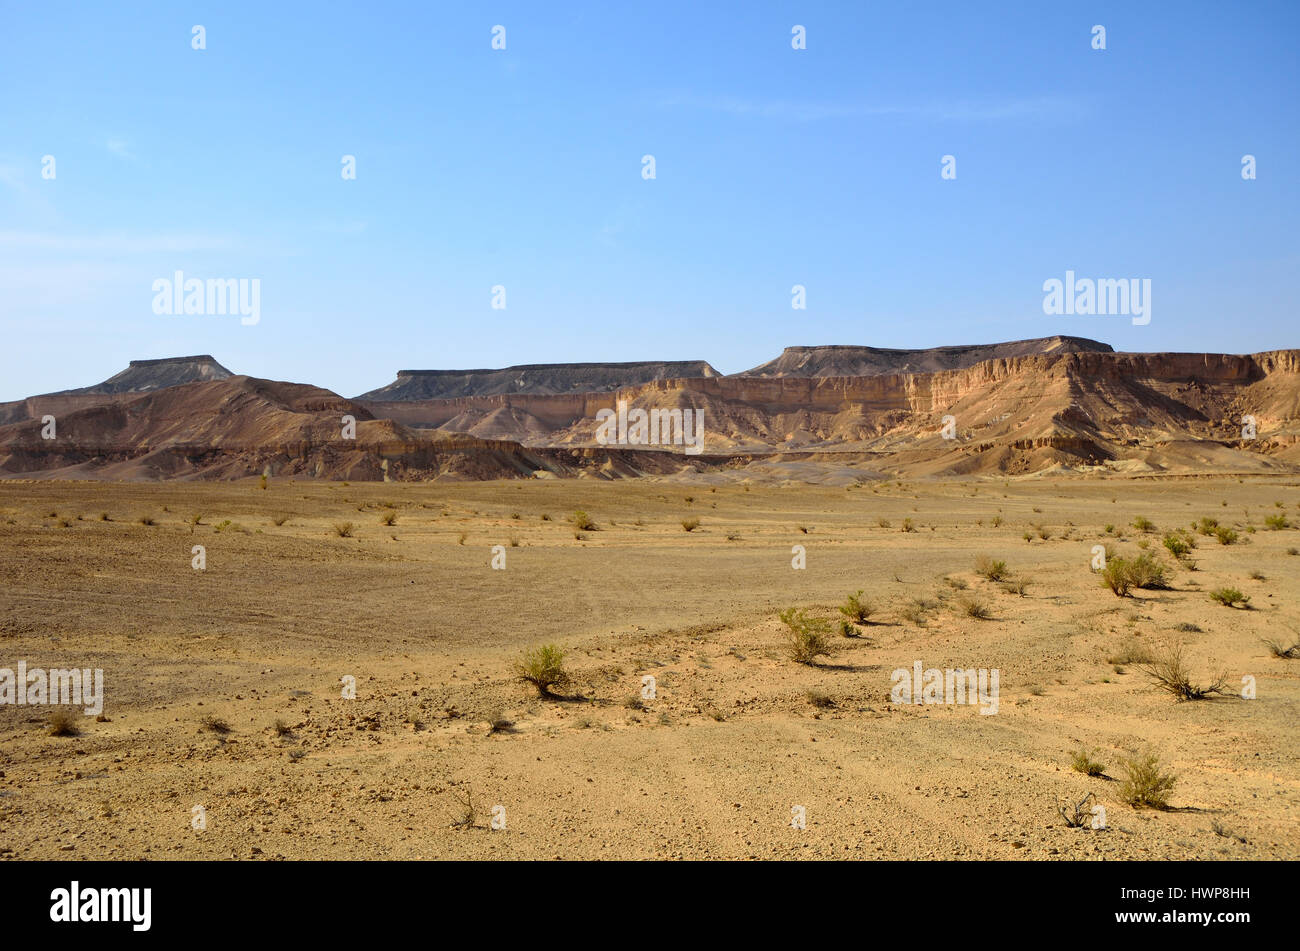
737 736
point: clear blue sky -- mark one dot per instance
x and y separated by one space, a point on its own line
522 167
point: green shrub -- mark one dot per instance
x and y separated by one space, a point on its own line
1145 785
991 568
857 609
1082 762
543 667
807 638
1229 597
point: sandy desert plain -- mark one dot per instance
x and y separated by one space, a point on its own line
223 685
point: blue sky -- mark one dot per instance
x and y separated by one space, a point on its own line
522 167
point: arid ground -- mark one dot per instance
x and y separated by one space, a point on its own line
224 686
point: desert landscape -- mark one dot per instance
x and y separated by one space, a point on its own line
497 590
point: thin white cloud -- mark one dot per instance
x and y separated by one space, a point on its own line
965 110
119 147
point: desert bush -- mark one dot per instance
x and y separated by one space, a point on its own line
807 637
1145 785
62 722
856 608
343 529
994 569
1116 577
883 522
1225 535
279 520
543 667
820 700
908 526
1207 525
1144 524
1230 597
1077 815
1043 533
147 520
1281 649
215 724
1018 585
690 524
582 521
1277 522
1178 545
974 607
1082 762
1145 572
913 611
388 518
1167 668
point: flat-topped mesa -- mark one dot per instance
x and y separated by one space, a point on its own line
143 376
849 360
545 379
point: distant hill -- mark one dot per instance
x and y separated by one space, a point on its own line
143 376
540 378
877 361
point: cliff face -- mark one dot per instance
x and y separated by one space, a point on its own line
539 378
1011 414
1088 404
874 361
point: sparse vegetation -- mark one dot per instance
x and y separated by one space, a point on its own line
807 637
908 526
1277 522
1167 668
1082 762
215 724
1225 535
820 700
1281 649
1077 815
582 521
974 607
1145 785
1144 524
543 667
343 529
857 609
388 518
992 569
690 524
1230 597
62 722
